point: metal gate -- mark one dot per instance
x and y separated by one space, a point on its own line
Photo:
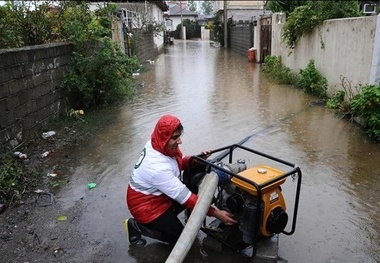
265 36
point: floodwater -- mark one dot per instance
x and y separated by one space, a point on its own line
221 98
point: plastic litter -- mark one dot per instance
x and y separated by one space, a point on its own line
91 185
45 154
2 208
20 155
76 113
61 218
57 249
48 134
51 175
44 199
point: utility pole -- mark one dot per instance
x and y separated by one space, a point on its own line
180 4
225 23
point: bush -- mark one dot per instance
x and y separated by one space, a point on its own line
341 99
276 70
312 81
192 28
14 179
308 79
100 72
102 77
336 101
32 24
366 106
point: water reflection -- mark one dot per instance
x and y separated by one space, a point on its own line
221 98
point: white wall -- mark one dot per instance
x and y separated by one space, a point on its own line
158 15
340 47
205 33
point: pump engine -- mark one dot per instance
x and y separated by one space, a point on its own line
253 195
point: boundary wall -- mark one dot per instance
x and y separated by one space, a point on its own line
347 47
30 89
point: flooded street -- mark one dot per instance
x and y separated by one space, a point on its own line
221 98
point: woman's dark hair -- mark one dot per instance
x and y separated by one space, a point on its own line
179 128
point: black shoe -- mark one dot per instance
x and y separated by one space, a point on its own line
133 232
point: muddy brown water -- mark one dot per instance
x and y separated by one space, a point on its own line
221 98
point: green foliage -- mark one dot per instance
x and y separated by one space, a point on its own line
37 25
206 7
286 6
192 5
304 19
191 28
100 72
312 81
366 106
341 99
82 27
14 181
308 79
218 27
300 22
337 100
9 36
102 77
28 27
276 70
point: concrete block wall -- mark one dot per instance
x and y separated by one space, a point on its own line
30 89
145 47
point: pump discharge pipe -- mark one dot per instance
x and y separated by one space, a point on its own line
193 225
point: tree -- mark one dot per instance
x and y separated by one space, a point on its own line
207 7
286 6
218 27
192 5
191 28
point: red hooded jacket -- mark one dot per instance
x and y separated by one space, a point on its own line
145 196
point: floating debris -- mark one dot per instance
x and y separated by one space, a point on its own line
2 208
45 154
91 185
44 199
48 134
61 218
20 155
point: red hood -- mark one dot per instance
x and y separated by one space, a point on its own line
163 131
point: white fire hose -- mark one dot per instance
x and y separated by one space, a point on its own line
194 223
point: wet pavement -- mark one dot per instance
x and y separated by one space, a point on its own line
221 98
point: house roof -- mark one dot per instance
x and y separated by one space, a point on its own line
176 10
161 4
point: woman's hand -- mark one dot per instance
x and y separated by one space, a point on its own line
205 154
225 217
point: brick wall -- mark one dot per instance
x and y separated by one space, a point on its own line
30 89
